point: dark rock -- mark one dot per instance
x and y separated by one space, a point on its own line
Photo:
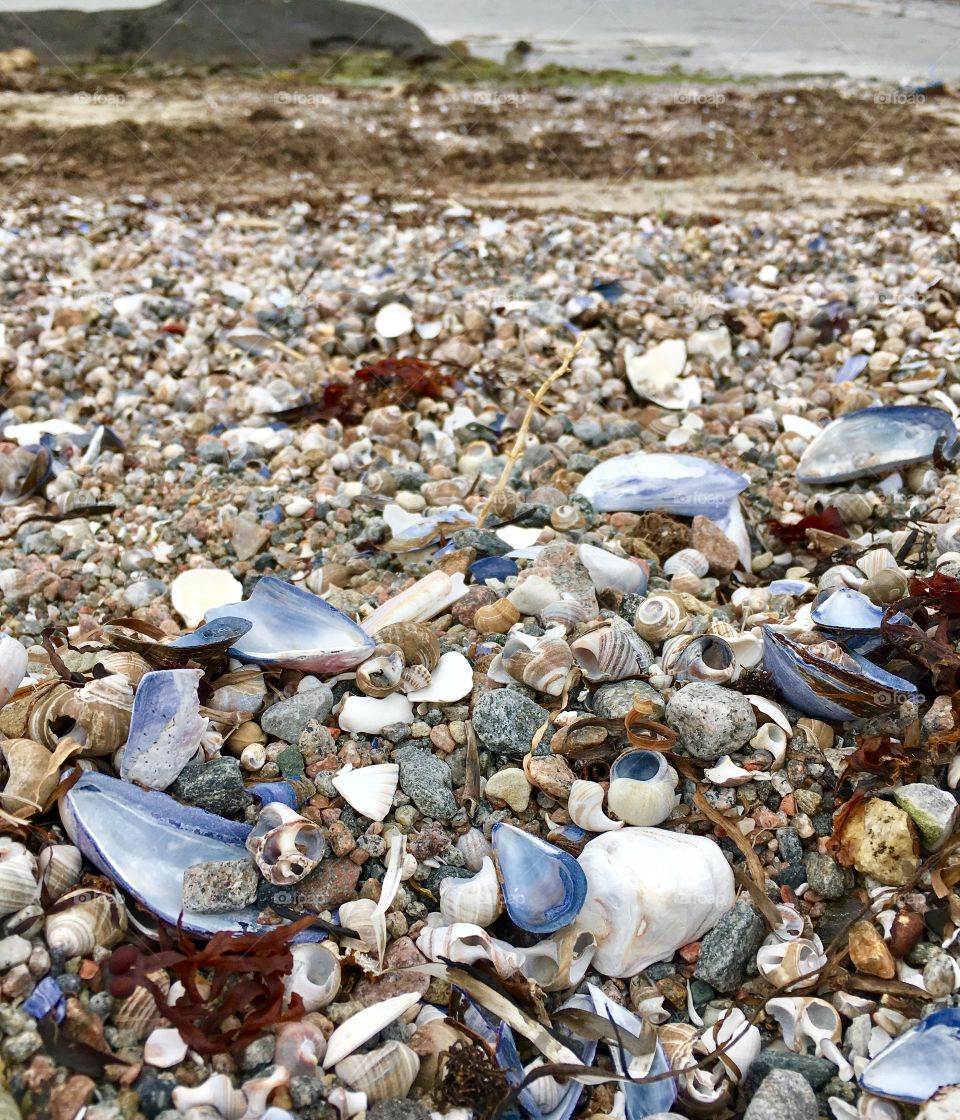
426 780
506 722
729 947
156 1095
333 883
783 1095
216 785
397 1110
816 1071
825 875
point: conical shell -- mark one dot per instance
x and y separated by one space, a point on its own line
611 651
217 1091
660 617
84 920
474 847
544 667
138 1012
686 560
125 664
382 1074
31 778
370 789
19 885
59 867
585 806
476 900
417 642
496 618
102 710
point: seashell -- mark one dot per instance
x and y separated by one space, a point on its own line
369 716
611 651
496 618
475 901
854 506
415 678
245 735
19 886
806 1021
504 504
362 1026
681 484
284 845
463 943
417 643
567 518
546 1091
195 591
383 1074
138 1012
559 962
165 728
84 920
257 1092
727 773
59 868
473 456
164 1048
380 675
424 600
103 711
543 886
300 1048
121 828
710 1084
887 586
218 1092
686 560
243 691
126 664
346 1103
773 739
643 787
784 962
444 491
875 441
369 789
918 1062
450 681
544 667
253 757
379 482
877 560
293 628
474 847
314 976
810 677
585 806
706 658
686 583
567 613
660 617
817 733
608 570
31 776
13 666
392 321
388 421
650 891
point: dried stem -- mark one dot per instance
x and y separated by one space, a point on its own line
517 450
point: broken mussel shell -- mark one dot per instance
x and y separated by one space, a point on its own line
213 639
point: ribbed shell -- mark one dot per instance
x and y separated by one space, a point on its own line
382 1074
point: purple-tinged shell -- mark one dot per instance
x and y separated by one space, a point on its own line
293 628
544 887
918 1062
47 996
165 727
267 792
212 637
681 484
846 687
144 841
876 441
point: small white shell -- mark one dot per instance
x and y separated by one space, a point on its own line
476 901
643 802
773 739
464 943
257 1092
217 1091
195 591
385 1073
164 1048
807 1021
314 977
13 666
728 773
59 867
660 617
300 1048
284 845
474 847
585 806
346 1103
370 789
360 1028
19 885
370 715
784 962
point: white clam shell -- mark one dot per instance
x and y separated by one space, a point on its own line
585 806
164 1048
475 901
650 891
393 320
450 681
424 600
360 1028
607 570
546 1091
13 666
217 1091
370 789
195 591
465 943
369 715
315 975
382 1074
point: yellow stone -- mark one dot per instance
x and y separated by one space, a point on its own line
885 841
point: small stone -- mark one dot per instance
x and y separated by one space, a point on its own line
288 719
713 542
789 846
532 594
906 932
506 722
869 953
13 950
615 699
67 1100
940 976
884 840
258 1053
815 1071
248 536
825 875
934 811
509 785
219 887
730 947
551 774
333 883
143 592
397 1110
425 779
216 785
783 1095
710 720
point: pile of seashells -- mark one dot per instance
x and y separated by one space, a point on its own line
576 740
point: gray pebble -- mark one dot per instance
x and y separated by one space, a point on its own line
426 781
615 700
816 1071
506 722
143 592
710 720
729 947
825 875
220 886
783 1095
288 719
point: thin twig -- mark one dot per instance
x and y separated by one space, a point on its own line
517 450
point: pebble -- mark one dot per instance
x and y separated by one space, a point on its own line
783 1095
217 888
615 700
815 1071
288 718
216 785
710 720
825 875
425 779
934 811
510 786
505 722
730 947
868 951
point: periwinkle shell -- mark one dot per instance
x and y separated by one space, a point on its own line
543 886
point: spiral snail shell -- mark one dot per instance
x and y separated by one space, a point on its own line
611 651
83 920
643 787
660 617
381 674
